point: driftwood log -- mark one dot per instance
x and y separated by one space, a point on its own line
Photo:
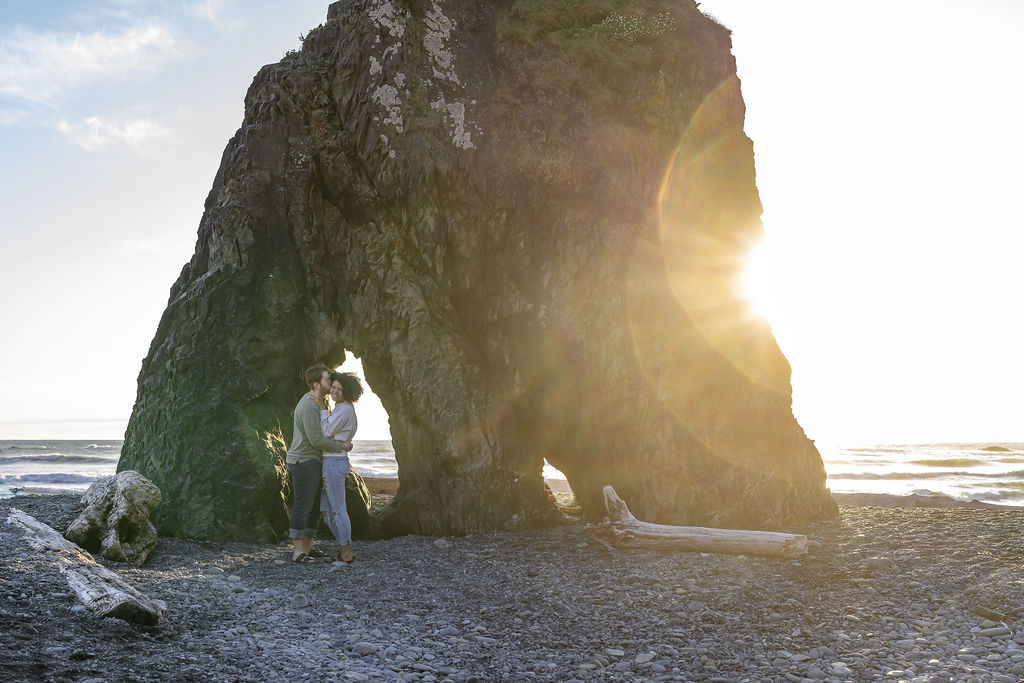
101 591
627 531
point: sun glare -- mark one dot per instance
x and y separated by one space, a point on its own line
758 284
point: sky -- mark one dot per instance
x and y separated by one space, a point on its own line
888 146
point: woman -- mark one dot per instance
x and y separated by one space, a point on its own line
304 460
340 425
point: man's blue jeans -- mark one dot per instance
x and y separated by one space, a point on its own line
305 483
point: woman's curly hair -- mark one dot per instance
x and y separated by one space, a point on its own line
351 387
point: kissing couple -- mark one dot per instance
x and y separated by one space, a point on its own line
318 457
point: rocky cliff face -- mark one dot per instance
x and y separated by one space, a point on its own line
527 219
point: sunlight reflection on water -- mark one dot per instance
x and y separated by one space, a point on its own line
959 470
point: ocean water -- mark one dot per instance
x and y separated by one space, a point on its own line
51 466
965 471
61 466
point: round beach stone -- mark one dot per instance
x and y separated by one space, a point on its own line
879 563
363 648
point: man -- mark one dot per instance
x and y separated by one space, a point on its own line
305 457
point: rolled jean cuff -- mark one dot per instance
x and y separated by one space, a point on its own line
299 533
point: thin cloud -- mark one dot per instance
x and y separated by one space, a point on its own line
211 11
12 118
38 66
206 9
95 133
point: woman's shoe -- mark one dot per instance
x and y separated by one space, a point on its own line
303 558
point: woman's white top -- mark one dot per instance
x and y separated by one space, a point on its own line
339 424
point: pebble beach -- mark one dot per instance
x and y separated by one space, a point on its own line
884 593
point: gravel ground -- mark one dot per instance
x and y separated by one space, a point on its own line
918 594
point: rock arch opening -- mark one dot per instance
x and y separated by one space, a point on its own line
373 454
560 488
458 468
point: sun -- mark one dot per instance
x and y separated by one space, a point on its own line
759 281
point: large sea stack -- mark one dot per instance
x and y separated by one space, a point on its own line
528 220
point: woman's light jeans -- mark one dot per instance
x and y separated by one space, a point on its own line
332 498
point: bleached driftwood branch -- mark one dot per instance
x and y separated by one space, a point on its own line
100 590
627 531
